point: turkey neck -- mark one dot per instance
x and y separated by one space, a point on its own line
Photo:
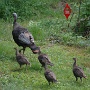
15 19
74 64
45 68
17 52
15 24
39 53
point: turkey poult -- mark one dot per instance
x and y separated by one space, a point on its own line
77 71
44 60
50 76
21 59
21 36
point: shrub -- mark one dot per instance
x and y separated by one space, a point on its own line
83 25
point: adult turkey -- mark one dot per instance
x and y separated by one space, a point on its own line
77 71
21 36
50 76
21 59
44 60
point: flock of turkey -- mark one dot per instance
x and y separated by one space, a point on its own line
24 38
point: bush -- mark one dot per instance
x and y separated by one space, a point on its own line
26 8
83 25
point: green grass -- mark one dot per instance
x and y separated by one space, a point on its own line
14 78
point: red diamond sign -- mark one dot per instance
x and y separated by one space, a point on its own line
67 11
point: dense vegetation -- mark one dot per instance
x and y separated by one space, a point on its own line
61 39
49 15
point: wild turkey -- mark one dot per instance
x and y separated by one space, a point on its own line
50 76
77 71
21 36
21 59
44 60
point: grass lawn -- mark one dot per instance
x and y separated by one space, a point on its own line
14 78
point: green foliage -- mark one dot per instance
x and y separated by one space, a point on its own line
71 39
38 33
56 30
83 25
26 8
85 9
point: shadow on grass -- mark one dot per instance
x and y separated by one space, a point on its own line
76 83
36 68
17 70
23 68
45 86
28 68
